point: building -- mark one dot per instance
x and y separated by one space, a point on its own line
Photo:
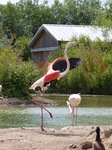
50 36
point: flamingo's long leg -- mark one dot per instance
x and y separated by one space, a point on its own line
35 102
42 112
73 108
34 99
43 108
41 105
76 115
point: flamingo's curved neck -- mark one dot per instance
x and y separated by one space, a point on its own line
67 61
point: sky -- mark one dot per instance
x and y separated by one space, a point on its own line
40 1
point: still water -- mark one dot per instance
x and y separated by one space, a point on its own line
93 110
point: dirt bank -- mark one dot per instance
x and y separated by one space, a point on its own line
18 102
65 139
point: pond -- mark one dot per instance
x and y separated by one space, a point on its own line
93 110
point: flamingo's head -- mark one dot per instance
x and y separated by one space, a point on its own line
71 44
74 44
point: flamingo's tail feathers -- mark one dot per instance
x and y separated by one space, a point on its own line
32 88
68 104
38 83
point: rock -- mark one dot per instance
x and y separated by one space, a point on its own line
53 130
66 128
108 145
107 133
86 145
1 140
72 146
111 130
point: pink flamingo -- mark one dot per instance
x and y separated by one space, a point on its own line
74 101
56 70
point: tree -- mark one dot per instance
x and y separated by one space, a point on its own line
23 49
26 16
59 13
82 12
9 17
104 17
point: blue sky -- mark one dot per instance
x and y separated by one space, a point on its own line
41 1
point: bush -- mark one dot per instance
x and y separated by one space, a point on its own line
107 81
22 46
16 76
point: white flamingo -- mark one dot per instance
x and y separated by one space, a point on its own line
74 101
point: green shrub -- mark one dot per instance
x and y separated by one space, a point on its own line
22 46
16 76
107 81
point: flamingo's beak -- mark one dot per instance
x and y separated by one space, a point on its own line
75 44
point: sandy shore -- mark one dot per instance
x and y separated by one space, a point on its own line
67 138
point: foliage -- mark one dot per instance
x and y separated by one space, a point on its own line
94 72
107 81
104 17
9 18
25 17
22 46
16 76
5 42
